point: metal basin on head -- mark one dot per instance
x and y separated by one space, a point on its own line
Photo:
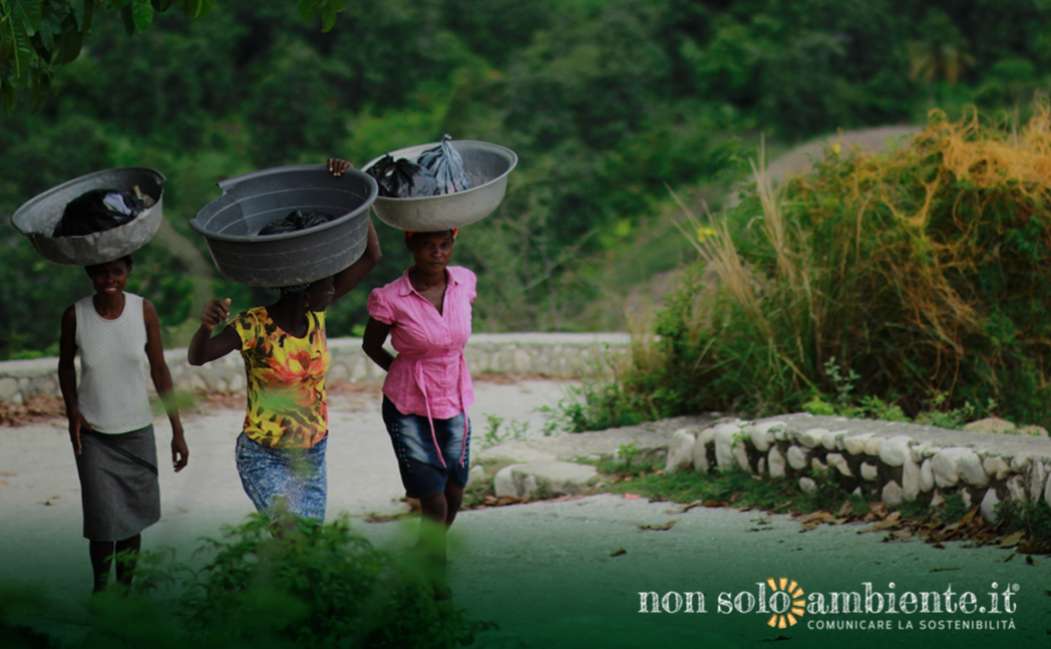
487 167
230 224
38 216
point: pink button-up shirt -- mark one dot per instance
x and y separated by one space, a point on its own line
429 376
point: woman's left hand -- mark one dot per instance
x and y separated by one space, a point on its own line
180 452
338 166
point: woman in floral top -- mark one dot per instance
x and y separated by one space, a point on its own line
281 449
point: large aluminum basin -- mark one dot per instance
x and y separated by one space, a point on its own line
38 216
230 224
487 167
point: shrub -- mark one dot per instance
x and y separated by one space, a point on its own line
919 272
308 585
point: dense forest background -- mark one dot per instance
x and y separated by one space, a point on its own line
607 102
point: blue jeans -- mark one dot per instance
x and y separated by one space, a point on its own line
421 468
295 476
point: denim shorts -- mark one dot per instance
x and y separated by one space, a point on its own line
422 470
295 476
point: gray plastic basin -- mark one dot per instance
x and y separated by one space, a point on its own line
38 216
230 224
487 167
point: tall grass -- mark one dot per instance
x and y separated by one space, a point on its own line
922 270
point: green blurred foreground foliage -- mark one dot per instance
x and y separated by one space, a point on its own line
606 102
313 586
887 285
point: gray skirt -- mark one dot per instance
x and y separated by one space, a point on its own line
118 483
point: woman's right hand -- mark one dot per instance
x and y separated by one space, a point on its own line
215 313
76 424
338 166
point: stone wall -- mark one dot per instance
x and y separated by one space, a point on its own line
552 355
891 462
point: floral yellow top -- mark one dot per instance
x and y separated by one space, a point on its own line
287 405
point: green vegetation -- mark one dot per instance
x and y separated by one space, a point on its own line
884 285
606 102
312 585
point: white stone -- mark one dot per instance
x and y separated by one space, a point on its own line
996 467
8 388
965 496
895 451
855 444
990 425
700 453
857 492
741 455
1016 489
760 466
724 446
1037 476
1047 492
237 382
503 482
680 451
733 427
756 438
971 469
807 485
1020 462
811 437
797 458
837 461
776 462
521 361
926 476
477 473
549 478
946 466
910 480
872 445
869 472
988 506
762 434
817 466
828 440
922 451
891 494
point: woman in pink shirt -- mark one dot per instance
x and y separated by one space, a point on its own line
427 313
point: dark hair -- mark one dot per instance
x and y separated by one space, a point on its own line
410 235
93 268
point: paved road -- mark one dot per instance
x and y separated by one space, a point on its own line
543 572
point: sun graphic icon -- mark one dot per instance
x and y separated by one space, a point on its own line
786 600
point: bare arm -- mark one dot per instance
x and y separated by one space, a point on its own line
348 278
162 381
376 333
67 375
204 348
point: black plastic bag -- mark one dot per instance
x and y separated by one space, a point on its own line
444 163
295 221
402 178
98 210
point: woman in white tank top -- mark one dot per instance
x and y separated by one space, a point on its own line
110 423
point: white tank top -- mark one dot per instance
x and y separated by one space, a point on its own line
112 386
